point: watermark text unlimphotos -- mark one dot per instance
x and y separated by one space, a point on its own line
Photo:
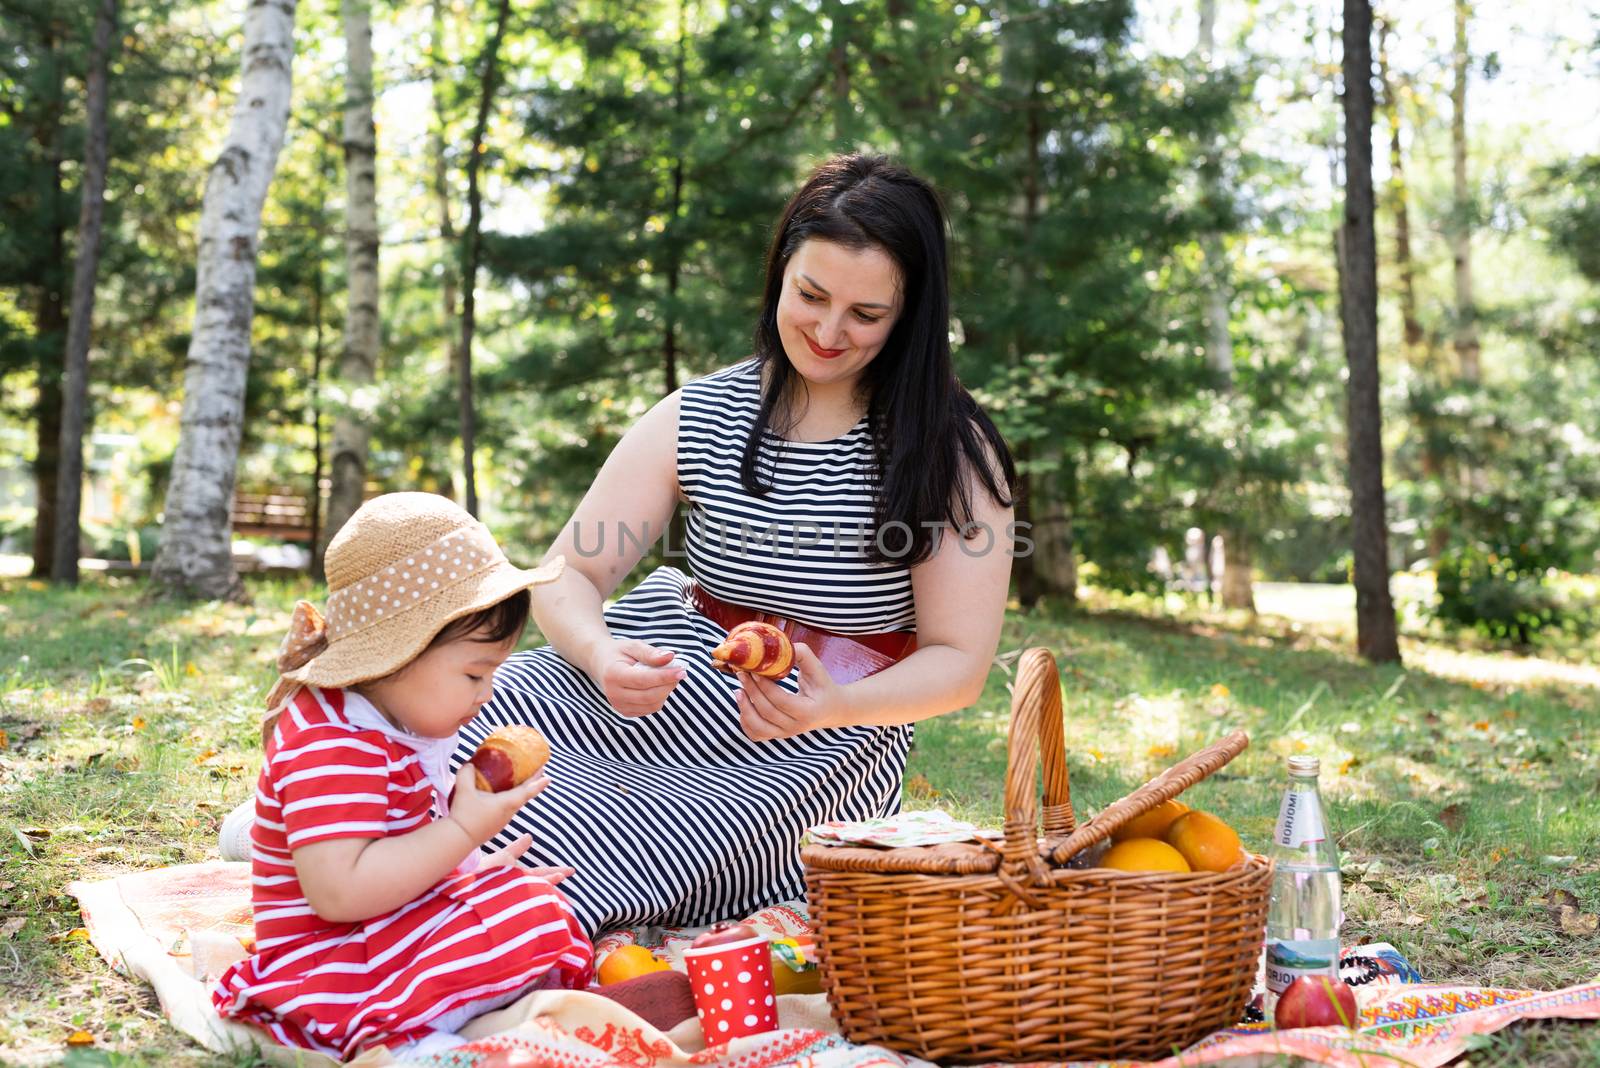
838 540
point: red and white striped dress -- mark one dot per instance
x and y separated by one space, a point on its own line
474 940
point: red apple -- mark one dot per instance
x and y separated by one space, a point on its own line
723 933
1316 1001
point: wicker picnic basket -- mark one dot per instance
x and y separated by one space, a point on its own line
965 953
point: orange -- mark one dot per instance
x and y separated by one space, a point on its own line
1206 842
785 980
1144 854
629 962
1152 824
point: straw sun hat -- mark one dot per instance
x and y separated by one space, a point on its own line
402 567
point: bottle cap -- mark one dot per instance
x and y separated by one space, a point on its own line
1304 765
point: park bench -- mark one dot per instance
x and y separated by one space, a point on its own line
281 512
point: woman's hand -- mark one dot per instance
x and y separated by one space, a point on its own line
635 676
768 711
482 814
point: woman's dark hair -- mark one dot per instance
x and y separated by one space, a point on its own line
503 621
926 428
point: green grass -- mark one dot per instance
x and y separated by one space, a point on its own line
1467 793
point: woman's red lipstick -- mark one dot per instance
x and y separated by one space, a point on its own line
826 354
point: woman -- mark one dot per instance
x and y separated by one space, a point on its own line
819 477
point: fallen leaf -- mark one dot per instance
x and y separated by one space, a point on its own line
77 934
140 723
1558 898
1453 816
1159 751
205 756
218 763
1578 924
80 1038
1413 920
1481 725
12 926
98 705
918 786
5 739
1347 766
37 833
1219 690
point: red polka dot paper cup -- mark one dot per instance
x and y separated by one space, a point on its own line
733 989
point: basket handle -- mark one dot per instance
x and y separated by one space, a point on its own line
1036 732
1164 787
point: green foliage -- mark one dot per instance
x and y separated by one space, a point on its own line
1507 602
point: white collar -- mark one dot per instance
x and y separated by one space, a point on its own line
432 753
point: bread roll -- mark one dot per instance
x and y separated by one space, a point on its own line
759 648
508 757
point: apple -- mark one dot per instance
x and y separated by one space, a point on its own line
1316 1001
723 933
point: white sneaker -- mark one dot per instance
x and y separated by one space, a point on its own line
234 840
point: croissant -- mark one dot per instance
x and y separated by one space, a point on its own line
759 648
510 755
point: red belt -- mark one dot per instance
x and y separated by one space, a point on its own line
847 657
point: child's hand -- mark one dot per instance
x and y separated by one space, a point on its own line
506 856
482 814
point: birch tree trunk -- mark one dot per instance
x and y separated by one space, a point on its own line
75 390
1358 307
196 557
358 366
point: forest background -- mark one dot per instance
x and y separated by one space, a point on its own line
1143 199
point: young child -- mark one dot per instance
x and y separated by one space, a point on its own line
376 922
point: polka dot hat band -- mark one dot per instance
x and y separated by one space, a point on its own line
404 566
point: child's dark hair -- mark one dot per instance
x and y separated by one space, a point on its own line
503 621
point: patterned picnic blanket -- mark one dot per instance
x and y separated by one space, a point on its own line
177 927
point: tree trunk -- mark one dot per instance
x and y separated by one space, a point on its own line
1219 345
1237 591
47 436
449 287
75 394
196 557
1238 586
1466 338
1399 197
1358 306
470 247
318 361
839 60
1025 569
672 239
1055 550
50 328
358 365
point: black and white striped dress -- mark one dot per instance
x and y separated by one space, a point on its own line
676 817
